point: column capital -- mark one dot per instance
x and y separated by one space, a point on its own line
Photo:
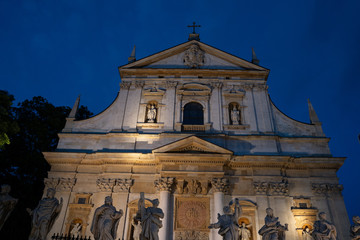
171 84
216 84
125 85
66 184
220 185
139 84
326 188
122 185
164 184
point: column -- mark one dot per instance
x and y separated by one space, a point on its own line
132 106
220 187
170 96
163 185
215 106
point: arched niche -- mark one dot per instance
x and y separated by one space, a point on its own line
248 215
151 112
133 208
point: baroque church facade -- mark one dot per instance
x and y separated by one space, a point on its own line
194 127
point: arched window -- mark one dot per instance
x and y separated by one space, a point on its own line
193 114
151 112
234 113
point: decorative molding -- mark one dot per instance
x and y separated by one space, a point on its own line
216 84
105 184
125 85
247 87
171 84
220 185
191 235
66 184
326 188
194 56
51 182
122 185
192 213
139 84
259 87
164 183
272 188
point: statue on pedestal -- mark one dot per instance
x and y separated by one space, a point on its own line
106 220
306 234
272 230
137 228
149 218
228 222
235 116
7 204
324 230
151 114
355 229
44 215
244 232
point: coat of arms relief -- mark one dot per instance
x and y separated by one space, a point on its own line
194 56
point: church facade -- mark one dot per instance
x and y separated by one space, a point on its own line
194 126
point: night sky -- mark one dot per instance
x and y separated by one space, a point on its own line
60 49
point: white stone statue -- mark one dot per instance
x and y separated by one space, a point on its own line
151 114
272 230
228 223
106 220
7 204
75 231
149 218
355 229
137 229
324 230
235 116
306 234
44 215
244 232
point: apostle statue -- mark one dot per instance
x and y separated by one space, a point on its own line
244 232
228 222
235 116
149 218
355 229
151 114
324 230
7 204
105 221
306 234
44 215
272 230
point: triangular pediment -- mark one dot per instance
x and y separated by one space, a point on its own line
192 144
193 55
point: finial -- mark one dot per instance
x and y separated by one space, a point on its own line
313 116
194 35
132 57
75 108
254 60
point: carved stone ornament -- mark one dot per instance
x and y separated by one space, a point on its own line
194 56
125 85
65 184
171 84
51 182
105 184
122 185
326 188
192 186
272 188
220 184
192 213
216 84
164 183
139 84
191 235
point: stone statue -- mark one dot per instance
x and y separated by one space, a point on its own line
355 229
44 215
105 221
137 229
149 218
324 230
235 116
151 114
244 232
272 230
75 231
7 204
306 234
228 223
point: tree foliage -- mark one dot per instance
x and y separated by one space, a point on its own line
32 129
7 123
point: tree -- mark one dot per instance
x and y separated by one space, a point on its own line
7 123
22 164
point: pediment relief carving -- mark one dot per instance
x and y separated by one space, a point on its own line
153 91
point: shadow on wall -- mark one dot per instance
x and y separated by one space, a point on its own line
239 147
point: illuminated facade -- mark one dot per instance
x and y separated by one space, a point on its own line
194 127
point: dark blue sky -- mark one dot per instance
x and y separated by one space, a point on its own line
59 49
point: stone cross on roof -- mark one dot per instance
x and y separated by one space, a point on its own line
194 35
194 26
